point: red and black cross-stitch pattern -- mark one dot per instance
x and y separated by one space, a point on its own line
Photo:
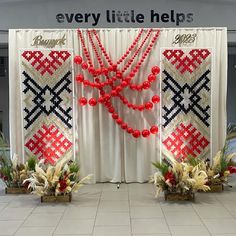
47 103
188 62
48 143
47 100
186 140
47 64
186 102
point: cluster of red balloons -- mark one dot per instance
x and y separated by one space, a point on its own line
105 98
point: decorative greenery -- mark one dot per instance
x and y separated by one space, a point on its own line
221 168
60 179
14 174
180 177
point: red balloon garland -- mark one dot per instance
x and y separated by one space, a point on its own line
116 78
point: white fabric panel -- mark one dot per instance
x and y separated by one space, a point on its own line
102 147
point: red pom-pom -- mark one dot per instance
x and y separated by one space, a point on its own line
155 99
80 78
155 70
78 59
136 133
83 101
154 129
92 102
145 133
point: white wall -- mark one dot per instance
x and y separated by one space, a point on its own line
42 14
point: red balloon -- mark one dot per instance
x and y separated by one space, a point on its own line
101 100
78 59
145 133
119 121
118 74
102 93
105 71
86 82
154 129
155 70
155 99
139 87
99 71
133 86
92 102
146 85
91 70
118 89
151 78
115 116
111 110
107 96
136 133
128 79
114 67
110 68
124 126
130 130
83 101
149 105
84 66
113 93
140 107
124 84
80 78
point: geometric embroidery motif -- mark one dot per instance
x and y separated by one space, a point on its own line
186 140
47 64
187 62
48 143
47 100
186 102
186 98
47 104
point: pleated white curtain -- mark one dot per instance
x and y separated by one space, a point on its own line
102 148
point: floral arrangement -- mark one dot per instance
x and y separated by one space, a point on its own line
59 179
221 168
179 177
14 174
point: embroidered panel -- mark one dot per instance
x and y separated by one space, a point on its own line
186 102
47 103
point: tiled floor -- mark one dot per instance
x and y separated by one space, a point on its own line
132 210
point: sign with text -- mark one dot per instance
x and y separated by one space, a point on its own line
131 16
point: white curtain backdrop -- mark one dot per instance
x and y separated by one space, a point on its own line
102 148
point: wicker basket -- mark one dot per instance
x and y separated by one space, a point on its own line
179 196
216 188
16 190
59 198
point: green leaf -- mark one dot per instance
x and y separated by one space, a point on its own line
162 167
31 162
